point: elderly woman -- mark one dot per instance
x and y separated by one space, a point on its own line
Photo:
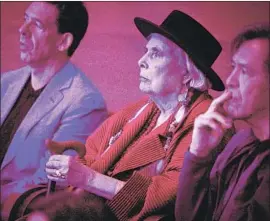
134 159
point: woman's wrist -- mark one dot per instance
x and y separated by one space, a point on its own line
101 185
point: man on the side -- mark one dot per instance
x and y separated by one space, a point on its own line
49 98
234 185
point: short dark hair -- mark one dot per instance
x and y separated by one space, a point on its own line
257 31
67 206
73 18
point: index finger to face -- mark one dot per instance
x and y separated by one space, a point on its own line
219 101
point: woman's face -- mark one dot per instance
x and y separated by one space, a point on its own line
161 67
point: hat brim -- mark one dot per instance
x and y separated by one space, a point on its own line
147 27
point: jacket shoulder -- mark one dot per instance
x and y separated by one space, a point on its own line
83 83
14 74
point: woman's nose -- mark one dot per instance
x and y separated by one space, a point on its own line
142 62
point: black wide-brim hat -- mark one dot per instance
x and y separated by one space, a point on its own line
201 46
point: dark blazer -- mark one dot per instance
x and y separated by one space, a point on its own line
235 188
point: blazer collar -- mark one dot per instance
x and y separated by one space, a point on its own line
49 98
13 91
116 150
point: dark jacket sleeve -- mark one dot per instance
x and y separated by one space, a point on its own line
191 201
251 200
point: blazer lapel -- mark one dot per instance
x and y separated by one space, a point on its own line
13 92
49 98
147 151
130 130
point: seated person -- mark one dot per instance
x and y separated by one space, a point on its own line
48 98
134 159
235 185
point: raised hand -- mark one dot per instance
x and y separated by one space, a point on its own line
210 127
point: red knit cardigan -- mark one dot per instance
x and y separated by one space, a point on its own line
144 197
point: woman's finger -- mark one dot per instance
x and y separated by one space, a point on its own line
56 179
62 158
50 171
52 164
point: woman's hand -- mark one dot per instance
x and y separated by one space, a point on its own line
67 170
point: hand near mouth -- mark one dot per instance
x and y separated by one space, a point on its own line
210 127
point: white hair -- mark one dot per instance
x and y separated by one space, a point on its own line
198 79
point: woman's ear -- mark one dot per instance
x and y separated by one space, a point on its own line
65 42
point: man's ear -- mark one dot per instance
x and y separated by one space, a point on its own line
65 42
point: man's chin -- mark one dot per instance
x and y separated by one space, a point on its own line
237 114
25 59
231 112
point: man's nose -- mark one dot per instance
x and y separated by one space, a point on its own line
233 79
24 29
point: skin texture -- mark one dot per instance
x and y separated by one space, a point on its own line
247 98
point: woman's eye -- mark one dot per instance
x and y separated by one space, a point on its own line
155 54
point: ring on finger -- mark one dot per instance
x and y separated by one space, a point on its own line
59 174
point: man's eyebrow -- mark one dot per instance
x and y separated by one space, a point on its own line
33 18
